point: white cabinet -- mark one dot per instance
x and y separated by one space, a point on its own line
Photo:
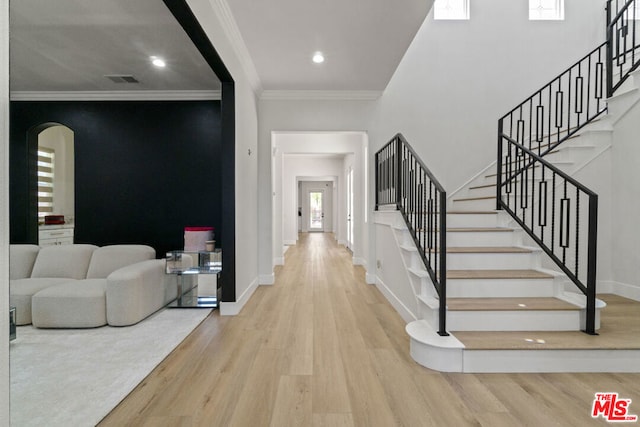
55 235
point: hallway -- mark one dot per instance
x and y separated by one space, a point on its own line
323 348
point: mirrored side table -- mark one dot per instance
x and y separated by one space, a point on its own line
187 266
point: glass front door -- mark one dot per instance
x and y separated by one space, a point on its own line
316 212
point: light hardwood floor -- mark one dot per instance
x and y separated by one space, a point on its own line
322 348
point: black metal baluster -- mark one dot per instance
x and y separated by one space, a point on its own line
530 122
553 211
549 125
577 251
533 192
565 206
568 102
589 87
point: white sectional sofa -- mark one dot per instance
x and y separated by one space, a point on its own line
85 286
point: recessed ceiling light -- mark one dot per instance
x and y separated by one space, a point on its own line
318 58
158 62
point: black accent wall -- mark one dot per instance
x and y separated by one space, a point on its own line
144 169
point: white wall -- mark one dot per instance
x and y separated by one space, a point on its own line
458 77
391 275
293 115
626 202
4 214
214 19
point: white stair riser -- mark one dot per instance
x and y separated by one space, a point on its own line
622 102
482 238
471 220
493 261
566 152
474 205
482 192
486 361
553 320
500 288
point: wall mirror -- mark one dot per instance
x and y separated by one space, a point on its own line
53 181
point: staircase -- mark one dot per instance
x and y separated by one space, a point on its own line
504 297
502 294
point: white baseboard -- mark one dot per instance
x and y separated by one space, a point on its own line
233 308
370 279
359 261
289 242
622 289
279 260
402 309
342 242
267 279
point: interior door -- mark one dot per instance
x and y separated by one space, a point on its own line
316 210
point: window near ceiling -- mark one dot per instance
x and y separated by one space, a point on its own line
451 9
46 166
546 10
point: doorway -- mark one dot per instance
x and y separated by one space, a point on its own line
300 158
316 210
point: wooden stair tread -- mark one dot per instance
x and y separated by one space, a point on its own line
508 304
469 199
540 340
497 274
482 186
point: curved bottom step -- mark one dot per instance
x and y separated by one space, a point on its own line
449 354
433 351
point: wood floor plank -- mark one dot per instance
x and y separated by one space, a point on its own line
402 393
256 402
474 394
330 392
321 347
293 402
368 401
332 420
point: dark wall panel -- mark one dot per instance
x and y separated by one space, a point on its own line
144 169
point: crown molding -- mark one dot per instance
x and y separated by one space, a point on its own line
320 95
230 28
128 95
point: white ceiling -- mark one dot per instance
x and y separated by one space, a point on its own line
70 45
363 40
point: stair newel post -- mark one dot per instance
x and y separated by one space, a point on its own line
377 179
499 168
399 183
443 266
590 326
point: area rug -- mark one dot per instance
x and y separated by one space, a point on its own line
74 377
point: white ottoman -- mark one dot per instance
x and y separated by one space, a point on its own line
77 304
